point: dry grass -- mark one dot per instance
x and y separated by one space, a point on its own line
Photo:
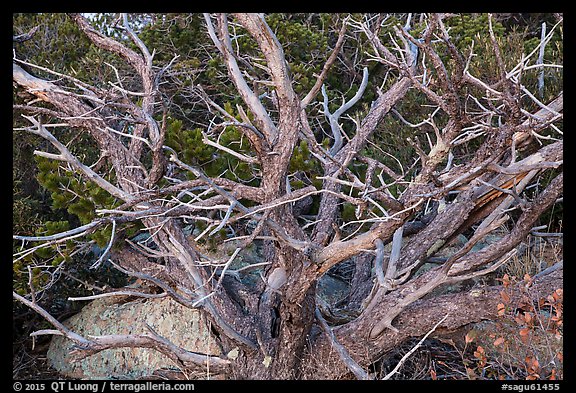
535 255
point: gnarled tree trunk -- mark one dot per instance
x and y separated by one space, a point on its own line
274 327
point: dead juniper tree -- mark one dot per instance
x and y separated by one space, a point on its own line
403 216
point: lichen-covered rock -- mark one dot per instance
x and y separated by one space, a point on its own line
183 326
332 289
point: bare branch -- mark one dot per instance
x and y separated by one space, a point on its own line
414 348
61 328
541 60
223 44
296 244
344 355
110 44
25 36
342 250
107 250
379 262
242 157
123 292
83 169
96 344
333 117
145 53
275 58
74 110
326 68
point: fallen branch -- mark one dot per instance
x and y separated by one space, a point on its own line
342 353
409 353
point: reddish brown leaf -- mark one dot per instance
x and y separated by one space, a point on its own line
524 334
505 297
471 336
557 295
479 353
471 374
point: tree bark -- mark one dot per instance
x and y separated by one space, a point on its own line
269 330
462 309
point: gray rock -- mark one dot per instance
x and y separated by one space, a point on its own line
183 326
332 289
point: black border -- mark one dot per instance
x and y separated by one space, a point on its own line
351 6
